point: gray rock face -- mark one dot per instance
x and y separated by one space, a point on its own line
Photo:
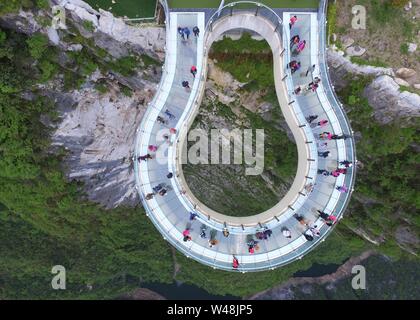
99 134
23 22
98 131
405 73
355 51
341 66
389 103
113 34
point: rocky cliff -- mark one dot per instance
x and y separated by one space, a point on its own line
386 93
96 129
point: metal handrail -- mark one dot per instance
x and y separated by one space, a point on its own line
336 104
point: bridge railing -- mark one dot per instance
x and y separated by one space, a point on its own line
337 107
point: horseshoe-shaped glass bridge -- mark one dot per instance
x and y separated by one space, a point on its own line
316 200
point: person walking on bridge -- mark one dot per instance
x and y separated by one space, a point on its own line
311 118
292 21
294 40
235 263
186 84
145 157
193 71
196 31
181 32
299 47
187 32
324 154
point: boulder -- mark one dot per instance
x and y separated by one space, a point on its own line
389 103
405 73
347 41
417 86
401 82
341 66
355 51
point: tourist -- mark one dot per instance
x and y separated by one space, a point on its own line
314 230
286 233
235 263
186 234
187 32
322 123
196 31
267 233
149 196
308 235
193 71
300 219
323 172
294 40
226 232
160 120
163 192
159 187
346 163
172 131
311 118
169 114
326 135
342 189
292 21
338 137
203 231
145 157
297 91
153 148
260 235
328 218
181 32
169 175
299 47
296 67
193 215
310 69
186 84
324 154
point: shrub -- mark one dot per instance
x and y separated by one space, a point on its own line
37 45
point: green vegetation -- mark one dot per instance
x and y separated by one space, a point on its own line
129 8
88 25
331 18
37 44
388 150
239 57
44 220
410 89
364 62
404 48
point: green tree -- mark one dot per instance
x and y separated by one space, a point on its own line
37 44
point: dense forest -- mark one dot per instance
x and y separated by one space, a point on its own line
45 219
